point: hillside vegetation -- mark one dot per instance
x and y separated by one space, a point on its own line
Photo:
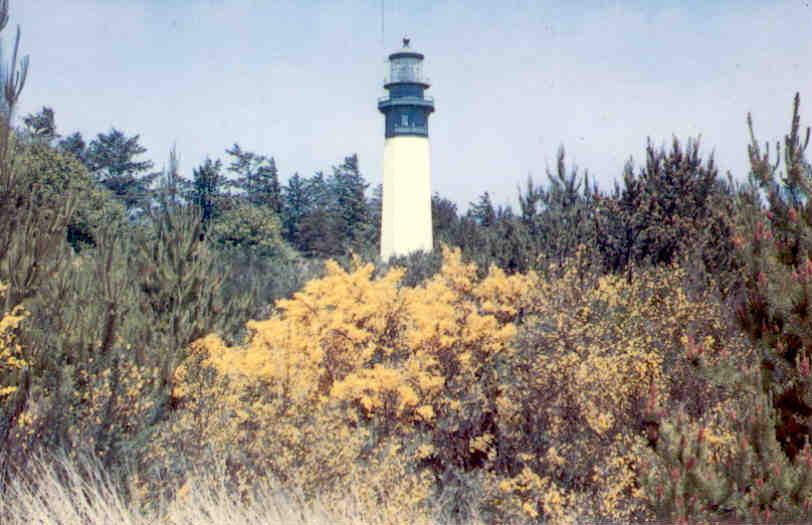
227 349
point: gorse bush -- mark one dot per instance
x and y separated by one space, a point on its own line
354 375
424 391
11 360
601 362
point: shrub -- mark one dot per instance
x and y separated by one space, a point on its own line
600 362
775 306
356 378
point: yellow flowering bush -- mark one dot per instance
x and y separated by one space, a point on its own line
534 399
357 378
11 358
600 362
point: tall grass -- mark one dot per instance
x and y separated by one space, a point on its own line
69 493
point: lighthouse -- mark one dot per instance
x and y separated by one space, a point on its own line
406 214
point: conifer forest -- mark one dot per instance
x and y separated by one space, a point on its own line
225 346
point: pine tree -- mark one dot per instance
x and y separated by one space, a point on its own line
76 146
530 201
674 206
775 246
618 225
32 239
257 177
483 211
208 184
678 189
317 235
41 126
111 158
180 285
373 227
296 205
567 211
752 481
32 225
445 220
173 187
349 207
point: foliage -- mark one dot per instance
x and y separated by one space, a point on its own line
257 177
418 267
296 206
180 289
329 216
424 389
675 205
11 360
775 306
729 464
352 373
49 175
74 145
348 210
249 227
41 127
551 223
208 189
593 354
444 219
104 336
559 219
111 158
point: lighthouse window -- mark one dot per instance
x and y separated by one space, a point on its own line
405 69
404 120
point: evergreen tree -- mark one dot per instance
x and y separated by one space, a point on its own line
508 242
208 184
483 211
173 187
567 211
674 207
775 247
618 224
257 177
349 206
317 235
296 206
112 158
445 221
373 227
76 146
41 126
529 204
180 288
678 186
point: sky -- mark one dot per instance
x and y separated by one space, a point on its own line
512 80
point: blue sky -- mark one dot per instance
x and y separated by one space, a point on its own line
512 80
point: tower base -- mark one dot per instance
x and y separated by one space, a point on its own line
406 216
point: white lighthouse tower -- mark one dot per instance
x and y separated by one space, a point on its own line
406 214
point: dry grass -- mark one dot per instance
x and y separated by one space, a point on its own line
62 493
65 493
